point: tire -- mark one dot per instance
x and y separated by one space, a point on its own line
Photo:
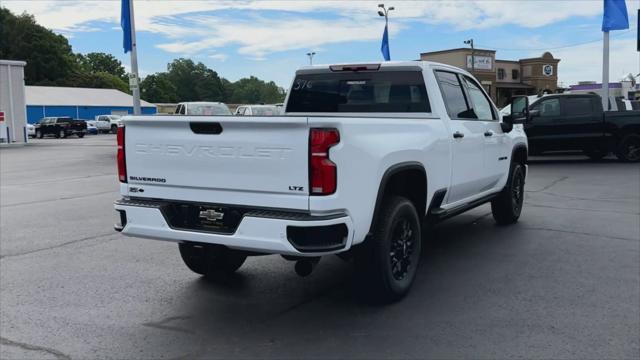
80 135
114 129
61 134
39 134
214 261
507 206
595 154
629 148
387 262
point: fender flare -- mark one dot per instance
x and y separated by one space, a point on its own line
392 170
517 147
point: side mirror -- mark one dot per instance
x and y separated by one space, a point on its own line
519 113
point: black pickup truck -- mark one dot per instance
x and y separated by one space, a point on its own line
60 127
565 122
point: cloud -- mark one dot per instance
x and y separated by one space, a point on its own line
584 62
260 37
219 57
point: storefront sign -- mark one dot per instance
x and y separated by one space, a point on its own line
481 62
547 70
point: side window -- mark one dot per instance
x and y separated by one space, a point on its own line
548 107
481 105
241 110
578 106
453 95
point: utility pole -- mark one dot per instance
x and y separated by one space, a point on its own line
473 55
310 55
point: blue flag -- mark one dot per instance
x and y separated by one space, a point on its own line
125 23
385 45
615 15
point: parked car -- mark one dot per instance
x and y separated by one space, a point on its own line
31 130
91 127
202 108
564 122
365 153
60 127
257 110
107 123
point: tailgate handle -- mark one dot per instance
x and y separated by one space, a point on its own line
210 128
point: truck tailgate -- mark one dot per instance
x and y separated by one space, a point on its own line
252 161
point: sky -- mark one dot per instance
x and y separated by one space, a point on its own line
270 39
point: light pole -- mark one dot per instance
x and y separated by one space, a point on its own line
385 12
384 47
473 55
310 55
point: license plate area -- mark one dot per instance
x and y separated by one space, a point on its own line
194 217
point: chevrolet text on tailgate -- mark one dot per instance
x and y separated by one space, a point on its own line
363 157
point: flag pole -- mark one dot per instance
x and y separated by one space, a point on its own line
605 71
134 83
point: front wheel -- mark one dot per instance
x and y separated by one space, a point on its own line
39 134
212 261
629 148
114 129
387 262
507 206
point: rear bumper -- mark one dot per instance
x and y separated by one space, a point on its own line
259 231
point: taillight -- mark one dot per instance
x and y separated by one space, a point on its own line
122 166
322 171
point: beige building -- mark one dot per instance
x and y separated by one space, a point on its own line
502 78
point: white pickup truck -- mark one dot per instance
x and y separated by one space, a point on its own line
363 155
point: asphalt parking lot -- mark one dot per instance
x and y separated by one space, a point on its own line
562 283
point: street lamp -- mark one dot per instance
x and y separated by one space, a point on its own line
385 12
473 55
310 55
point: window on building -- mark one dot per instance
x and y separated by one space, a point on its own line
501 74
515 74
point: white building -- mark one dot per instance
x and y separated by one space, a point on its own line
13 117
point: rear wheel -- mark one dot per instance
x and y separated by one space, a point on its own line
211 260
507 206
629 148
386 263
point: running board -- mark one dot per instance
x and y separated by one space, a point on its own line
440 214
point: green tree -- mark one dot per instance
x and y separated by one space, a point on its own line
194 82
49 57
97 62
253 90
157 88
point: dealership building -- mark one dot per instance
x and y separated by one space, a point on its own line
502 79
79 103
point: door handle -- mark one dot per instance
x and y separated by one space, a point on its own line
458 135
488 133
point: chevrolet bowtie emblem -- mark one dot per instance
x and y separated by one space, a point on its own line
211 215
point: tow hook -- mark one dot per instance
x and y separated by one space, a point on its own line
304 267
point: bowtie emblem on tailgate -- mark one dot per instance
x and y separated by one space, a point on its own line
211 215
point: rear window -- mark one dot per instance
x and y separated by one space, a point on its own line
207 109
347 92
